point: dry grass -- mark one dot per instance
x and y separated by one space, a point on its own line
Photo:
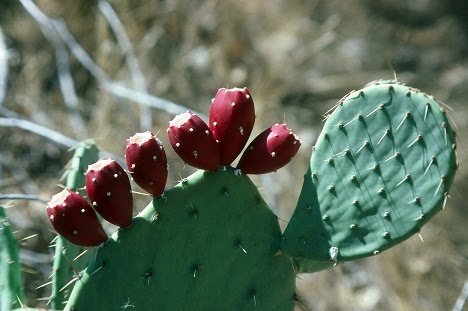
297 57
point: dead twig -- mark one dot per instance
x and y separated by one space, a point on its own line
3 66
21 196
461 298
106 83
136 74
40 130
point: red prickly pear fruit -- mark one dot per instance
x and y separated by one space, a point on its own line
193 141
270 150
109 191
147 162
232 117
74 218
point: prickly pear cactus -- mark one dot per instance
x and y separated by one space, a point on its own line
11 293
210 243
70 259
381 168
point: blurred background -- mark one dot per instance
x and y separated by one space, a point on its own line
105 70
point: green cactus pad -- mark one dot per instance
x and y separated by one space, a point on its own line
70 259
210 243
11 293
381 168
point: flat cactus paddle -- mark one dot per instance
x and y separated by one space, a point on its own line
210 243
381 168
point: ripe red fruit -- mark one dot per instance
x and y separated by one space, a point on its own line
74 218
270 150
147 162
193 141
109 191
232 117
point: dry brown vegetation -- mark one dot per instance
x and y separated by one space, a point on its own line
297 57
